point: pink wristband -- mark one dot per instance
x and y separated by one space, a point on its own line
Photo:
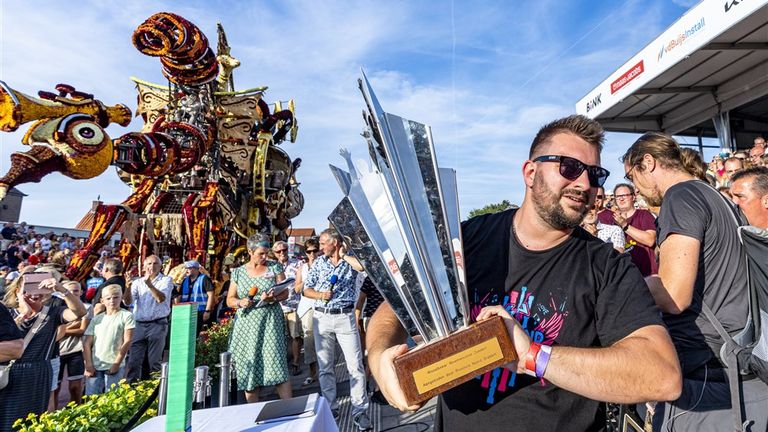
542 360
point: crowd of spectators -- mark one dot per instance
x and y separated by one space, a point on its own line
21 245
738 175
117 324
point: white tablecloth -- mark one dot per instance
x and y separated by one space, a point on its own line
241 418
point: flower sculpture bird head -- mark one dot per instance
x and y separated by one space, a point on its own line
67 134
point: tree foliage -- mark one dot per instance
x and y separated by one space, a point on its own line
491 208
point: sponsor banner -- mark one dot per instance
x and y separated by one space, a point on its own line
685 35
696 28
627 77
594 102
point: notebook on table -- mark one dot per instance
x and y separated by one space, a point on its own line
289 409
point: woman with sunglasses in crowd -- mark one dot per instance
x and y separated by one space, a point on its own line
29 384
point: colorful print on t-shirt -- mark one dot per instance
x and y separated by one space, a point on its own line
541 321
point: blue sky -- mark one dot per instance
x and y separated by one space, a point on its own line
484 75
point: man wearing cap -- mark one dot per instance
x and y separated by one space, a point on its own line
197 288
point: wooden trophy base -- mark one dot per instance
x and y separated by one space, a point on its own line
433 368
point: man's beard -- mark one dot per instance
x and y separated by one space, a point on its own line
548 206
655 200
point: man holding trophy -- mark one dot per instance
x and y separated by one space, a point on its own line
582 321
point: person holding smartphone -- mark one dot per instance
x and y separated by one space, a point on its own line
29 385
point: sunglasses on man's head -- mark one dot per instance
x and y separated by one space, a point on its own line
571 169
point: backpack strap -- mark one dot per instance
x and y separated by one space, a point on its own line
729 356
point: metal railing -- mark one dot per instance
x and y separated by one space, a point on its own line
202 384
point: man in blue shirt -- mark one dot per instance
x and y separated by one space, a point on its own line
331 282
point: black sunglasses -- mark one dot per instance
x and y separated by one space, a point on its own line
571 169
311 250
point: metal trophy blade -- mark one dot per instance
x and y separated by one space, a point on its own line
342 178
371 203
401 218
344 218
449 192
419 223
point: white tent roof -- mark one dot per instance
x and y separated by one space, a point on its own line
713 59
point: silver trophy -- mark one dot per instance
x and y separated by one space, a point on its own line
400 216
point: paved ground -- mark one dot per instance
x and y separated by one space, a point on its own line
383 417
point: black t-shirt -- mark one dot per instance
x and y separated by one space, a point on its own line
8 329
695 209
42 347
581 293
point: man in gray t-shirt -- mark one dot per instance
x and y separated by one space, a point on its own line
700 262
696 210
